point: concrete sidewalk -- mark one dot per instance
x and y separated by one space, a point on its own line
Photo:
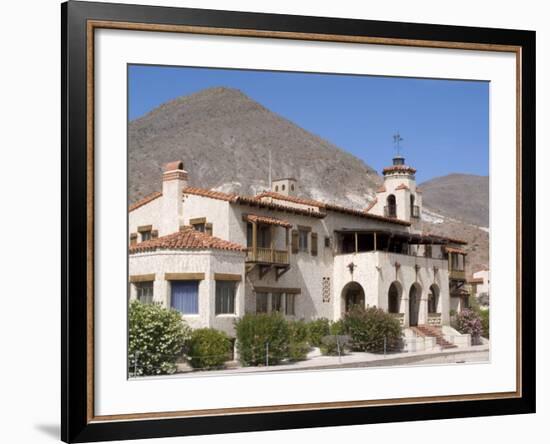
316 361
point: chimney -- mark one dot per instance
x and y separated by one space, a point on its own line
174 180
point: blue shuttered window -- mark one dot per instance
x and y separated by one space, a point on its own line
185 296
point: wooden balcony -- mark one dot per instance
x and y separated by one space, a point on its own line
267 256
457 274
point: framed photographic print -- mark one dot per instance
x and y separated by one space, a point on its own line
277 221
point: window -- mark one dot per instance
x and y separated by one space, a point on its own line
391 207
289 304
185 296
283 187
327 241
276 187
292 187
225 297
249 234
145 232
303 238
261 302
264 236
199 227
198 223
276 302
427 251
144 292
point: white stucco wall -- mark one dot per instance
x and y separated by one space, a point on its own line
148 214
375 272
214 210
193 261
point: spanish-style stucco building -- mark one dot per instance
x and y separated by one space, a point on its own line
215 256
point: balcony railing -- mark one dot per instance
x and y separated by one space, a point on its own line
267 255
400 317
434 319
457 274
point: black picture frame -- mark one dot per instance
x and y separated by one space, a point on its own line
76 423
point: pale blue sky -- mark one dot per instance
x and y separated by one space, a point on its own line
444 123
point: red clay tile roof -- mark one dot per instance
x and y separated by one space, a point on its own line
268 220
454 250
186 239
362 213
382 189
299 200
219 195
145 200
336 208
372 204
402 168
449 239
402 187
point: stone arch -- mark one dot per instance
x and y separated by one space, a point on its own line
433 298
395 293
352 295
415 294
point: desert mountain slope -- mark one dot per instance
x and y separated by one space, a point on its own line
224 139
459 196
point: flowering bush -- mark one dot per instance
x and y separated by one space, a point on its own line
208 348
156 339
469 322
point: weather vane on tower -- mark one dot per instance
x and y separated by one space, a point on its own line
397 139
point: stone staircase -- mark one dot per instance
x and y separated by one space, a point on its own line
435 332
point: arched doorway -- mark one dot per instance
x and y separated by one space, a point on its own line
394 297
414 304
353 295
391 206
433 299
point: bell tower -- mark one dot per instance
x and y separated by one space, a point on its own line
398 197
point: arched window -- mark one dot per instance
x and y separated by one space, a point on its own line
292 187
283 187
276 187
433 299
391 207
412 206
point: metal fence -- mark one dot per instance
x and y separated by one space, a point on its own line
335 346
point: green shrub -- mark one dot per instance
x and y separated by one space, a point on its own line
335 345
371 328
261 334
298 345
208 348
156 339
317 330
484 314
